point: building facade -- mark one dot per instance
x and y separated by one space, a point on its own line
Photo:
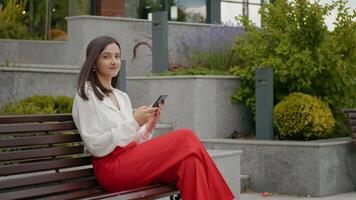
197 11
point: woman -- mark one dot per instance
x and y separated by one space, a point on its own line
119 140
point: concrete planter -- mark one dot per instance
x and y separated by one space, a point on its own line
20 82
200 103
316 168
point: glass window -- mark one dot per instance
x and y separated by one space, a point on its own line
178 10
253 14
229 11
189 10
145 7
231 1
255 1
31 19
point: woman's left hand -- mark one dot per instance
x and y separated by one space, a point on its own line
151 124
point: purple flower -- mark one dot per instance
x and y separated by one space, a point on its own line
208 42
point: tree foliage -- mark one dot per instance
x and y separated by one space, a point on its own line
11 17
25 19
305 56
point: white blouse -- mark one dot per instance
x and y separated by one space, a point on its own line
102 126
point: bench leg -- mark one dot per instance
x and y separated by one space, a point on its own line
178 197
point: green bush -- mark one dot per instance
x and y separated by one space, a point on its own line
305 56
303 117
12 30
39 104
11 17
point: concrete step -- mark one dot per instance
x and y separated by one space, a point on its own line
228 163
162 128
245 182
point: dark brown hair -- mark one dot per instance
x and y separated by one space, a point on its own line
87 73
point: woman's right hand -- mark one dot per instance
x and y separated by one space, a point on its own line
143 114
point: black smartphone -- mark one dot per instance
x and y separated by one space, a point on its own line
159 100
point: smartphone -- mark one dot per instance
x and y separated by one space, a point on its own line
159 100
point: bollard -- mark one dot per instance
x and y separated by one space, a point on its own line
121 81
213 8
264 103
160 41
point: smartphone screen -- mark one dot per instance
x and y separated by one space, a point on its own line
159 100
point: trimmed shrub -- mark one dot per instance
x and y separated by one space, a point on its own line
39 104
303 117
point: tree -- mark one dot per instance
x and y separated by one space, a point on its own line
304 55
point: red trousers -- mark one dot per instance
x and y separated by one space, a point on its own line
176 157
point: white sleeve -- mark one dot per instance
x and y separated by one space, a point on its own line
143 135
98 142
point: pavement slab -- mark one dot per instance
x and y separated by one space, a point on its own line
260 196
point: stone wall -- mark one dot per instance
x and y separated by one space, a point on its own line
27 52
200 103
81 29
316 168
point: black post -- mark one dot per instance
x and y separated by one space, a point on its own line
166 5
213 10
48 19
121 81
245 8
159 41
93 7
264 103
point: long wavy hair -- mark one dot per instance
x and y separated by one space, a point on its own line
87 73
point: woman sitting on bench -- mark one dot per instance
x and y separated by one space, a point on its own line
124 155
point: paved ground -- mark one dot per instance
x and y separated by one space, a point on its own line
259 196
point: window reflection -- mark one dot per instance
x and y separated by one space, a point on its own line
253 14
178 10
194 10
191 10
229 11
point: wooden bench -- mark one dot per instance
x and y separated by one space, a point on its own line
41 157
351 121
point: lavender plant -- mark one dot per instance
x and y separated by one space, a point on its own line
209 47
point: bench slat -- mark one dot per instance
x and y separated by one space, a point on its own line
40 153
11 119
46 190
76 195
45 178
36 127
353 122
352 115
43 165
39 140
349 110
